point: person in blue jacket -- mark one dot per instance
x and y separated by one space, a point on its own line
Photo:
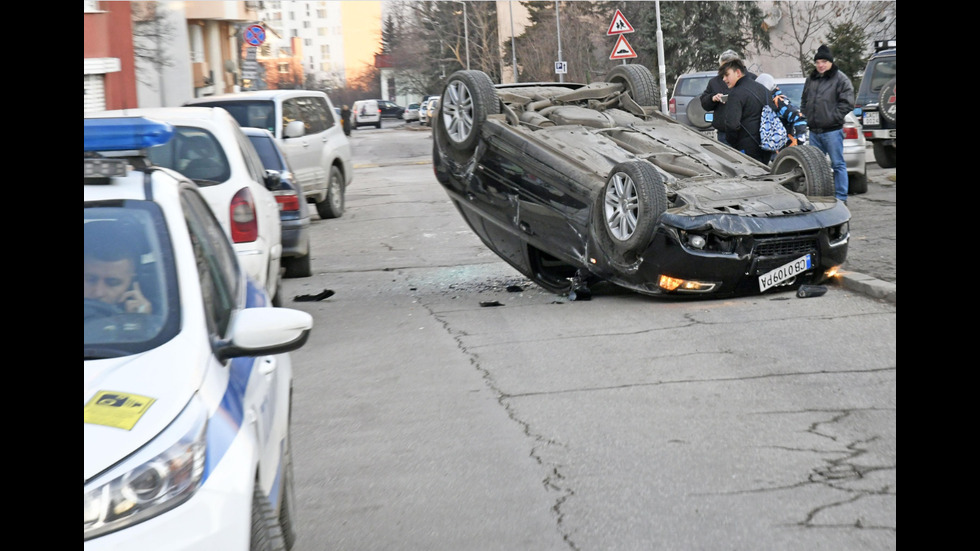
790 115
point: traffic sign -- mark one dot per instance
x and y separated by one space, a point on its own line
622 50
619 25
254 35
561 67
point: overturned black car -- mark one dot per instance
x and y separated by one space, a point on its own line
573 184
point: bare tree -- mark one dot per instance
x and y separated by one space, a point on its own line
152 35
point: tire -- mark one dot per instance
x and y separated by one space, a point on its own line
277 298
815 179
640 83
378 124
857 182
266 531
467 99
696 114
886 101
332 205
631 203
297 266
884 155
288 500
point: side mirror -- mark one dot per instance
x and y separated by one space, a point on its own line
273 180
295 129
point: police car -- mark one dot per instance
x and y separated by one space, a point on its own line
187 373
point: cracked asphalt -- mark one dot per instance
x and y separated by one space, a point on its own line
424 420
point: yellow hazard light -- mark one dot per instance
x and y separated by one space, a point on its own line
668 283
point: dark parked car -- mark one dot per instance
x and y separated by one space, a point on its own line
875 103
293 211
390 109
573 184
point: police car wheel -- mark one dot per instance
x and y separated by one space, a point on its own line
266 531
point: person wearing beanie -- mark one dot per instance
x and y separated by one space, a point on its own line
711 98
743 110
828 96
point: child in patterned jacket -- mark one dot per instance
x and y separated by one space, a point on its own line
789 114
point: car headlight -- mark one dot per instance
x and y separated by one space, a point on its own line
149 488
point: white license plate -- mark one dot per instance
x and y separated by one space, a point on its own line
784 272
870 117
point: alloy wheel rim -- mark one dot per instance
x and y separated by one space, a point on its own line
621 206
457 111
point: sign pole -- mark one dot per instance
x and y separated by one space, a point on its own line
561 76
660 60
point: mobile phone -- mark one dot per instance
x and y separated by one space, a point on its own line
723 98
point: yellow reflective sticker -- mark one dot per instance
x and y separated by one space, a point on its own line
116 409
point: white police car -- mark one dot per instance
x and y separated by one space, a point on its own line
187 373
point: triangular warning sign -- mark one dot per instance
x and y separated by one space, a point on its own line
619 25
622 50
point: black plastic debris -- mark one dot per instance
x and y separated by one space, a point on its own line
327 293
515 289
806 291
582 293
486 303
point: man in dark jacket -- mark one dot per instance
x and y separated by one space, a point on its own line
828 96
711 97
743 110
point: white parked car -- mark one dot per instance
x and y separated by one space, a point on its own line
209 147
366 112
411 113
187 375
310 134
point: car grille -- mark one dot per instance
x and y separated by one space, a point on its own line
783 246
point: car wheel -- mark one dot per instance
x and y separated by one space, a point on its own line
632 201
696 114
332 205
297 266
378 124
468 98
857 182
288 499
886 101
277 297
813 175
266 531
639 82
884 155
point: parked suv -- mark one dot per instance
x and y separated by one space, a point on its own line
366 112
308 132
875 102
688 89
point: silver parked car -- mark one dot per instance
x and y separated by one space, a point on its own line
855 146
687 89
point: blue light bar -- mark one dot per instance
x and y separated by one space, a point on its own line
125 133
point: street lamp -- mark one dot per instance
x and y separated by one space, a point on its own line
466 33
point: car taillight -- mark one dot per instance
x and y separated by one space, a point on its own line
288 200
244 222
672 106
850 133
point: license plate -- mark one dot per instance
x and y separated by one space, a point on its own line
784 272
870 118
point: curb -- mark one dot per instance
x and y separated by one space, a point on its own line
872 287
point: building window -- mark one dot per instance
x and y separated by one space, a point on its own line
307 41
322 14
283 68
91 6
306 24
325 51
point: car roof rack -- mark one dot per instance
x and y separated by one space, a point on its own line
884 45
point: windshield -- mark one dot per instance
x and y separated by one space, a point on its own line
131 302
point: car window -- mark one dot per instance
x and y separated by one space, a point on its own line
324 111
882 71
691 86
793 92
266 149
126 245
195 153
217 268
291 111
254 114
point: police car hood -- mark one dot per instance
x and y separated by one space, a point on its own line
130 400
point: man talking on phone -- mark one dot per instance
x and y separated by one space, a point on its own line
110 270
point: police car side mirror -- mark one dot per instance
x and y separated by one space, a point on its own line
265 331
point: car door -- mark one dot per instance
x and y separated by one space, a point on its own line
303 152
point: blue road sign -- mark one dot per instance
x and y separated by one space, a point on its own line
254 35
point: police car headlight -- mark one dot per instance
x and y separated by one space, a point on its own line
149 488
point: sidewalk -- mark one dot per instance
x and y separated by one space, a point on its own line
871 266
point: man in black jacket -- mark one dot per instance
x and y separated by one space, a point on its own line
828 96
711 98
743 110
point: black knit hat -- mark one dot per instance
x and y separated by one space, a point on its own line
823 52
